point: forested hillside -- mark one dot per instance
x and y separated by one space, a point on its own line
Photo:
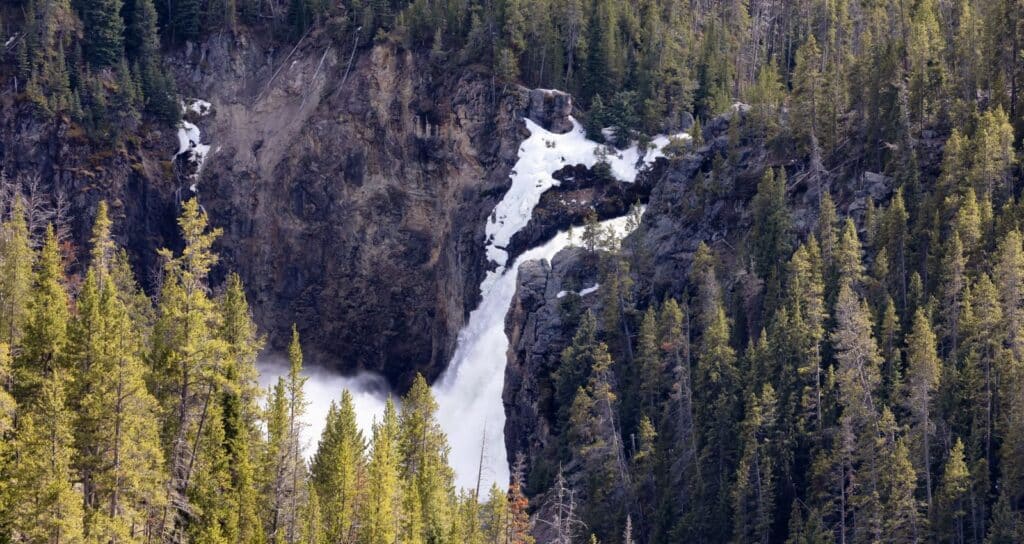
126 421
815 335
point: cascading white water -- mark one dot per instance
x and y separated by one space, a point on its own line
471 410
468 393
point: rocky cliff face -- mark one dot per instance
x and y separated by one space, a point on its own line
354 199
352 186
686 205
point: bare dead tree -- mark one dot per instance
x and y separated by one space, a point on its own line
563 520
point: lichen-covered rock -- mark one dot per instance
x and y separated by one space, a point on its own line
551 109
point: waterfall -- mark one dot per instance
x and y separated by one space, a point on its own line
469 391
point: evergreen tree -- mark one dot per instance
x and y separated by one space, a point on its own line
45 505
953 495
576 364
104 31
118 432
649 368
337 468
717 390
424 453
992 154
754 490
595 442
924 371
188 358
771 233
382 511
242 435
857 358
516 517
289 467
46 328
141 37
494 515
1010 272
16 261
848 267
807 84
903 519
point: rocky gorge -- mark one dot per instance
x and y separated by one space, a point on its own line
352 187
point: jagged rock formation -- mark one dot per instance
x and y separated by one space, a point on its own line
355 204
685 207
551 109
353 197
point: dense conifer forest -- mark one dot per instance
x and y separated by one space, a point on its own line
873 392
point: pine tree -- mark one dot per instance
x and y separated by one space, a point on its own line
516 515
649 368
982 346
576 363
807 85
240 412
595 441
896 244
802 334
892 359
1007 527
104 31
494 515
16 261
45 504
188 358
953 495
717 407
924 372
993 154
8 408
954 284
702 274
848 269
46 328
337 468
754 490
141 37
289 467
903 519
424 452
184 21
1010 271
312 531
118 430
857 358
827 230
771 227
381 513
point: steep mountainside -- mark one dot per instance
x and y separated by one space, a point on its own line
352 186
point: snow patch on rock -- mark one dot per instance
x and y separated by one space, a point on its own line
541 155
190 139
582 292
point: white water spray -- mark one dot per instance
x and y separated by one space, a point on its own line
471 411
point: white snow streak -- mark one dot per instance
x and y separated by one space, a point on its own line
582 293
